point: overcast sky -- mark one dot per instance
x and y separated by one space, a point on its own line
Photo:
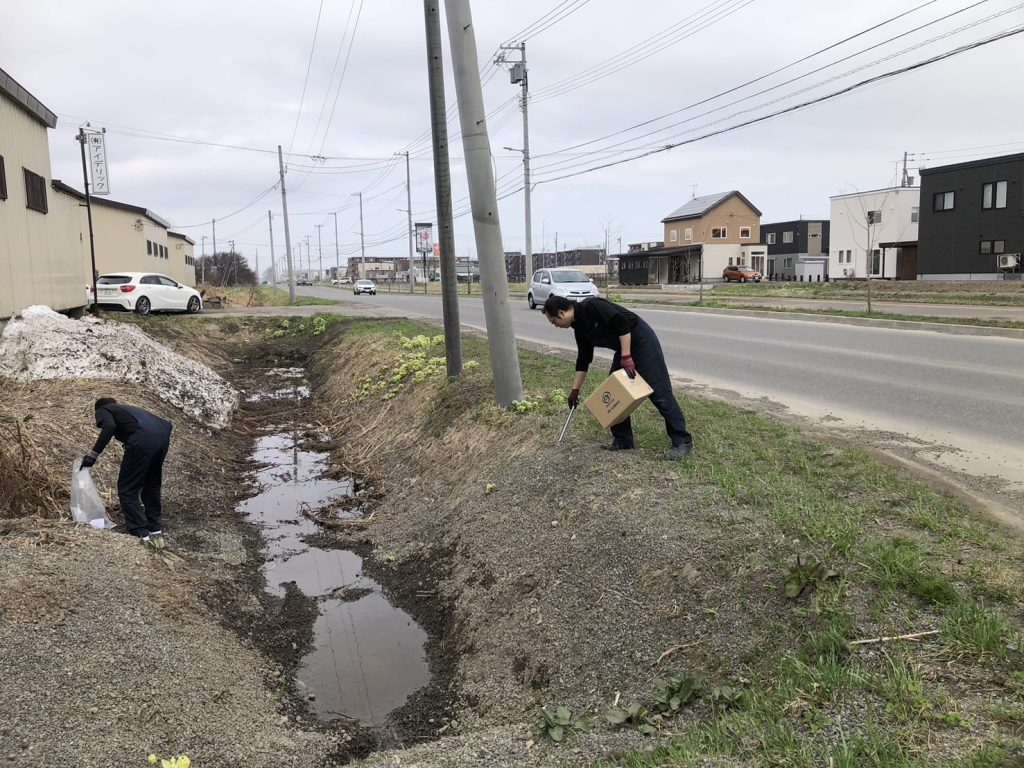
161 75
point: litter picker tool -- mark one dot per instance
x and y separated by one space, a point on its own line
568 419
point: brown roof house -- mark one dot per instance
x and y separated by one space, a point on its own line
702 238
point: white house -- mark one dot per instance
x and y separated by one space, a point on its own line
874 231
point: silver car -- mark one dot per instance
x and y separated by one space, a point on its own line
560 281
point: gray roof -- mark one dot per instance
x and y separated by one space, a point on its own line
180 236
10 88
698 206
131 209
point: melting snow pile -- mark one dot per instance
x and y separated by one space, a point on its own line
46 345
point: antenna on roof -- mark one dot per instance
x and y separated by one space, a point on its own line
693 191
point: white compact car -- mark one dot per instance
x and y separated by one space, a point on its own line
145 292
561 281
364 286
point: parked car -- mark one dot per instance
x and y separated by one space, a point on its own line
560 281
740 273
145 292
303 281
342 281
364 286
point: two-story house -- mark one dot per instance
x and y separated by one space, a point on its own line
972 222
702 237
797 250
874 233
40 236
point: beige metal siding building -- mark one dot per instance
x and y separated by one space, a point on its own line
40 237
133 239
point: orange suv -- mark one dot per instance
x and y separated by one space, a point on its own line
741 274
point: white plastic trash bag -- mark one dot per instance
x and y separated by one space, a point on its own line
86 504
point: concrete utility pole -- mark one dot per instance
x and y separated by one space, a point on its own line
408 210
362 237
273 257
88 212
337 249
443 190
202 263
320 250
287 233
519 74
215 239
476 147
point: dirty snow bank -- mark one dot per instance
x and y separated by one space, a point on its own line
43 344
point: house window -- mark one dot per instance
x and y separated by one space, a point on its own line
149 247
992 246
673 235
849 257
943 201
874 217
744 233
876 261
787 263
787 237
915 213
35 189
719 233
688 233
3 180
993 195
730 261
770 238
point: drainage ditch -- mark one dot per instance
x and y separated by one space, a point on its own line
367 663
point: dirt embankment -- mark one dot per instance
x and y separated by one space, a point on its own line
107 652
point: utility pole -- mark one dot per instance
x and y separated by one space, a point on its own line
257 250
202 263
443 190
287 233
214 239
88 213
320 250
408 210
519 74
362 238
273 257
476 147
337 249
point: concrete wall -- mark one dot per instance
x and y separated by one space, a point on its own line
40 254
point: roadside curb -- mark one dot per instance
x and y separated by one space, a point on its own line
905 325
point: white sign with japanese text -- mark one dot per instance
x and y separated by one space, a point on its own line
98 164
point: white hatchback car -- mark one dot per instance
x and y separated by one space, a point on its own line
364 286
560 281
145 292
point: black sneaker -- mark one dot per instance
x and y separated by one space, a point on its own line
677 452
616 446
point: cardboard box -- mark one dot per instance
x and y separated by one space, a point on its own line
617 397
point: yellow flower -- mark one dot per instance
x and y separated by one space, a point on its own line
184 762
152 759
168 764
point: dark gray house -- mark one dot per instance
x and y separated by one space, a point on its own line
797 250
972 220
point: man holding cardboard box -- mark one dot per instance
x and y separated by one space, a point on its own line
598 322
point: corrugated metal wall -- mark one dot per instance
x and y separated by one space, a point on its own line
40 254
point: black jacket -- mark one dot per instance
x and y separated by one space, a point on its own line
599 323
123 422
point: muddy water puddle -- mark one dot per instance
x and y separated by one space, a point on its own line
368 656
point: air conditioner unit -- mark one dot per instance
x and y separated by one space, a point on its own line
1009 260
846 272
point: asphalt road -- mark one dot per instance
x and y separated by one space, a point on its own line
955 401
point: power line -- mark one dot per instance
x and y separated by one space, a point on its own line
803 105
245 207
305 82
780 85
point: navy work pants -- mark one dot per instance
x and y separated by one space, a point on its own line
650 363
141 475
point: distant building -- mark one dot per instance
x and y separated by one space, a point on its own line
797 250
702 237
40 238
972 227
874 233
